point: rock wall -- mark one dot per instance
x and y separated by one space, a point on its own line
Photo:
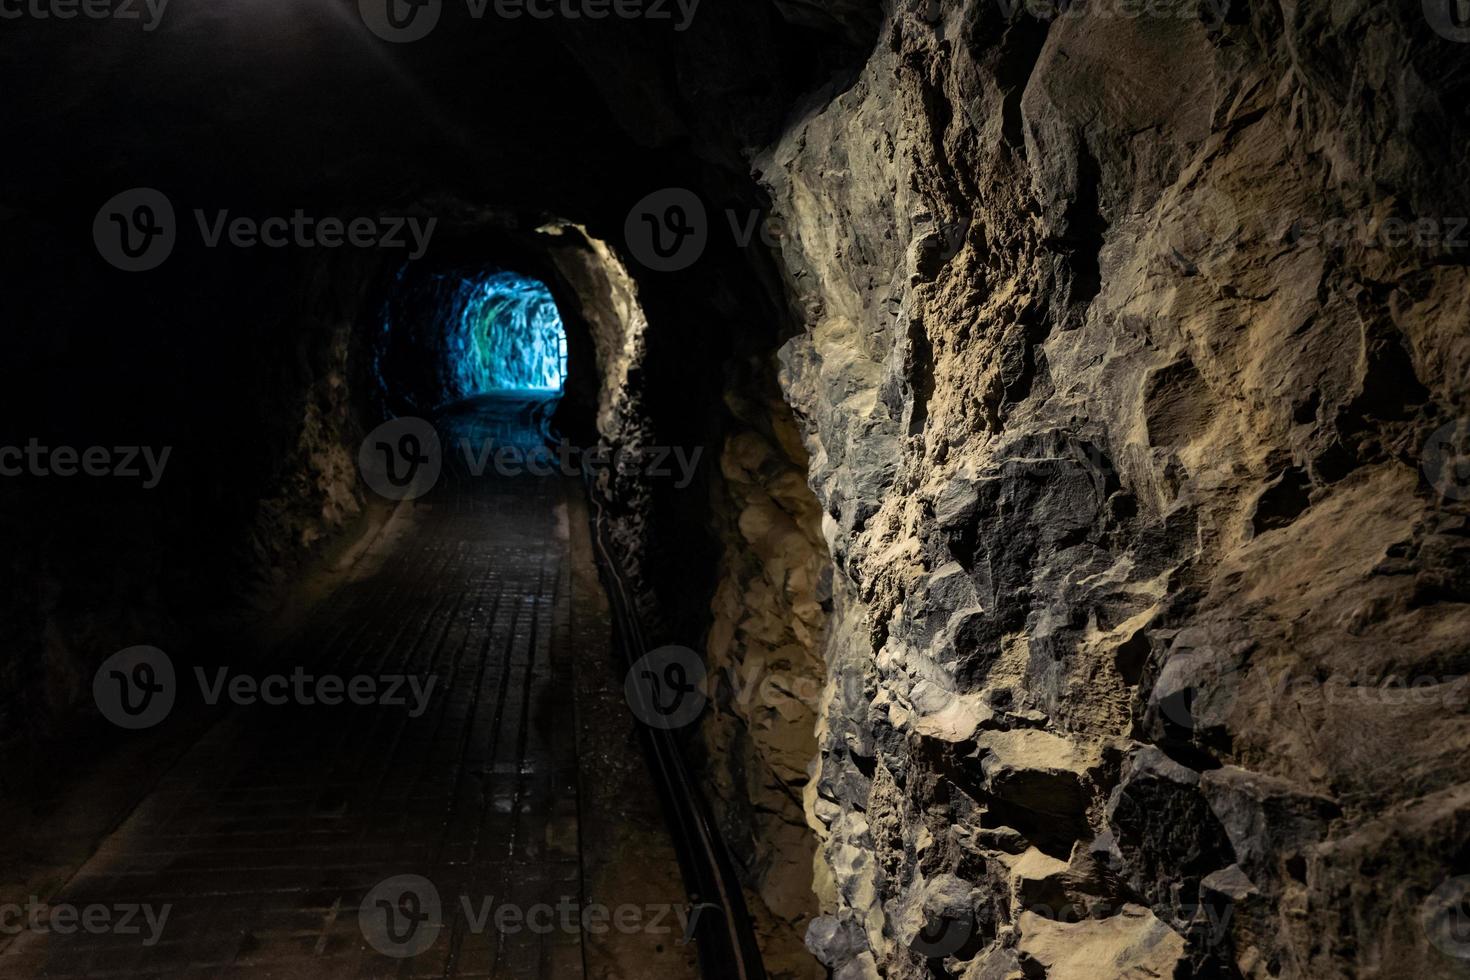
257 473
761 630
1134 348
763 652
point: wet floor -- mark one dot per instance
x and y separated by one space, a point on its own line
488 817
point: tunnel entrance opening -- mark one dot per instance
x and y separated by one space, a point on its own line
463 332
508 335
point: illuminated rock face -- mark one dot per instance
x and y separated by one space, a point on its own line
1128 466
504 332
450 335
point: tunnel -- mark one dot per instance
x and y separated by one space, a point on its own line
787 489
467 332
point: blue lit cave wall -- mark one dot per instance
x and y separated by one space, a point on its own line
506 333
449 335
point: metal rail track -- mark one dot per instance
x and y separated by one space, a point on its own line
722 929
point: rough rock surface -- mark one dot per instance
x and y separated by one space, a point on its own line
764 656
488 329
1132 377
1117 378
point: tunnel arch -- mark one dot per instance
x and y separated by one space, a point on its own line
448 334
401 359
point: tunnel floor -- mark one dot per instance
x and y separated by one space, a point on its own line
520 785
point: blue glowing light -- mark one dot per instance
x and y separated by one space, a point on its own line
505 332
448 336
